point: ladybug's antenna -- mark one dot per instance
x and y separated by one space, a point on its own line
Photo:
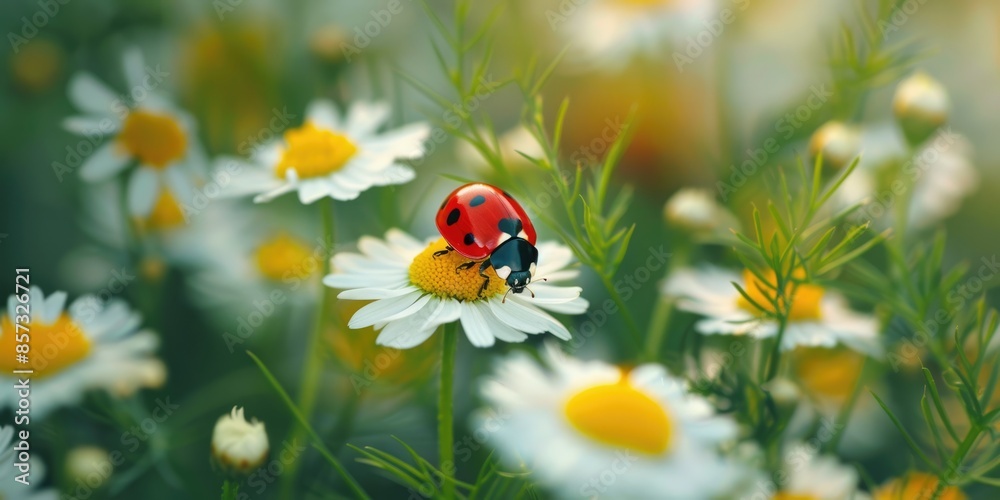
529 291
504 301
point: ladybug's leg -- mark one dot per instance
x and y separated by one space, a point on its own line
442 252
486 279
464 266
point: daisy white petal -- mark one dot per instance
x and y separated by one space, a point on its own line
106 162
414 292
143 188
91 95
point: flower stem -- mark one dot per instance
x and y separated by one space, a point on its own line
314 346
446 418
630 323
775 358
660 320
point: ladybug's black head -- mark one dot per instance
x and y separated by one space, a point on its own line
514 262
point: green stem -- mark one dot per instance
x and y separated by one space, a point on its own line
659 322
230 490
775 358
445 409
314 347
633 328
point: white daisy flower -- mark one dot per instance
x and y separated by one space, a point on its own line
819 318
254 252
9 488
697 211
806 474
592 429
89 345
147 130
333 156
415 292
608 33
238 445
936 177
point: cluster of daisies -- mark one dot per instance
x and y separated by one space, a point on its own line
582 427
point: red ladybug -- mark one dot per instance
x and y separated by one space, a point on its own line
485 224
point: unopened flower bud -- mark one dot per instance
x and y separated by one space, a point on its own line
838 142
239 446
89 465
921 106
694 210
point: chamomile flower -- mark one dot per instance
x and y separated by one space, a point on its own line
333 156
809 475
933 179
253 252
9 488
414 292
147 130
89 345
818 318
608 33
590 428
917 486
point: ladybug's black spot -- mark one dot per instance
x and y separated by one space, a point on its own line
478 200
510 226
469 239
453 216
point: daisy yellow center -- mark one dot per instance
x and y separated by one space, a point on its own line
438 275
166 212
828 373
314 152
52 347
917 486
782 495
155 139
805 302
620 415
282 256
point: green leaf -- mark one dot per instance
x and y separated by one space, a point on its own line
906 435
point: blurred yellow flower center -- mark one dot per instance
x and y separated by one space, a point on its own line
781 495
314 152
283 256
621 416
917 486
805 303
439 276
53 347
156 140
166 212
828 373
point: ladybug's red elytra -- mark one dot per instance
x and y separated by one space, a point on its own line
486 225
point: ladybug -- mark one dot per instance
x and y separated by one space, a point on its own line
486 225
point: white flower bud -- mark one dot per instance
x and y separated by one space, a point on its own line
838 142
693 209
921 106
239 446
89 465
